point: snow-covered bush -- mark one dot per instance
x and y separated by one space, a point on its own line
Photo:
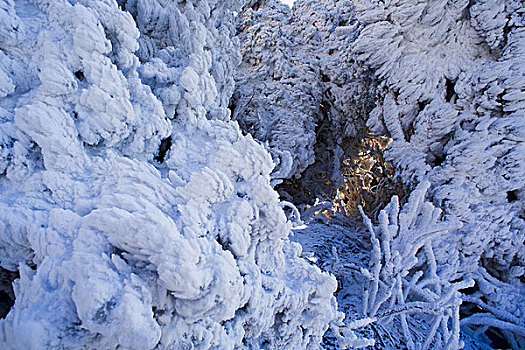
299 88
394 282
409 284
450 78
136 214
453 75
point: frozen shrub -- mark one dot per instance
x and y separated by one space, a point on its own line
136 214
299 88
408 283
452 76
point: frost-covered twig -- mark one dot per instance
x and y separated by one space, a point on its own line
404 280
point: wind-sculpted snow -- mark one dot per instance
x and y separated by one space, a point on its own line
137 215
298 87
450 87
453 76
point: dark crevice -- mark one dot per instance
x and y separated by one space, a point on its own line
224 244
6 303
421 105
438 160
157 312
7 296
506 33
257 5
164 147
119 252
497 339
438 156
318 180
450 92
512 196
466 15
80 75
409 132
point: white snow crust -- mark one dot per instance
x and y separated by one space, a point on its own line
449 83
135 214
119 243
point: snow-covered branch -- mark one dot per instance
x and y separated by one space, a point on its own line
404 279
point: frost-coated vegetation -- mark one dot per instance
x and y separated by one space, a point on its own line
450 83
298 77
140 141
453 99
405 278
120 242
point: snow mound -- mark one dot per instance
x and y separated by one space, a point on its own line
136 213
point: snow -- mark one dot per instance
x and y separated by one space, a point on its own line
141 142
116 249
288 2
